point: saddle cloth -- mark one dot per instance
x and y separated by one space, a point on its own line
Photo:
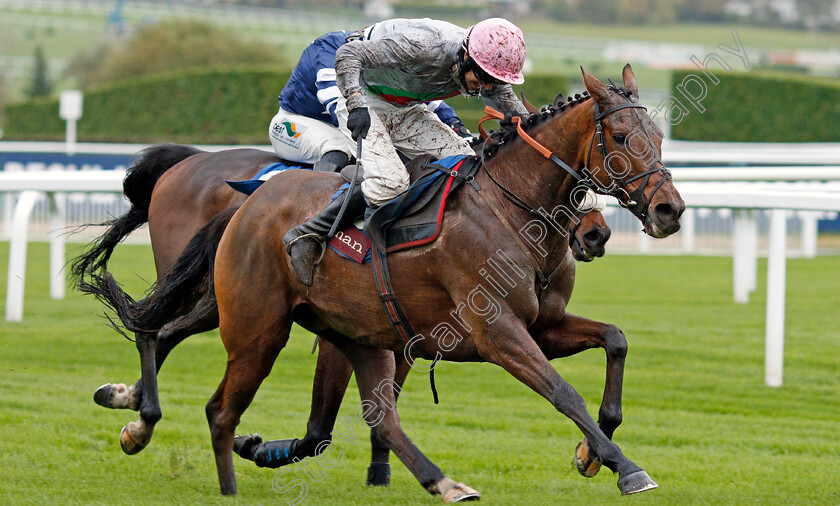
411 219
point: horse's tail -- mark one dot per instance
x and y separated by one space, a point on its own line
140 180
177 292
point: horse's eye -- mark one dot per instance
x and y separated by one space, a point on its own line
619 138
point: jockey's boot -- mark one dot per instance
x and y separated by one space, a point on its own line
332 161
305 242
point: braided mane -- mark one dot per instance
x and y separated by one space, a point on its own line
507 131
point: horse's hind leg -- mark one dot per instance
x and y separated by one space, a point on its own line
143 395
375 370
136 435
379 472
120 396
573 335
249 362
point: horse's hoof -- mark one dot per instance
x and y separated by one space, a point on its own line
635 483
131 440
114 396
586 463
460 492
246 446
379 474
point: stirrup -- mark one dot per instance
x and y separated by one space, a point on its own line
312 235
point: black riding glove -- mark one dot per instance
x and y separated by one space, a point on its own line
358 122
461 130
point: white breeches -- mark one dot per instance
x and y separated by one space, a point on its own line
303 139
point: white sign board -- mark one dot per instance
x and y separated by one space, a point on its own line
70 105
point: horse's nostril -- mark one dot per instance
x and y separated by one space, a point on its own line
666 211
593 237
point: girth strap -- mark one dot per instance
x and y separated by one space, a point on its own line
398 320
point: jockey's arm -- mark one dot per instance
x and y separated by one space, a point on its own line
353 57
328 92
504 100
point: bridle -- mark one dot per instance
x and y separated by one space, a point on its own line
634 200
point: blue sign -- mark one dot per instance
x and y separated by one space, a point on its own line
16 161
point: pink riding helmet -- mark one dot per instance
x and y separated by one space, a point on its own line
498 47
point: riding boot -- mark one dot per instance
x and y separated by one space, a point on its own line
305 242
332 161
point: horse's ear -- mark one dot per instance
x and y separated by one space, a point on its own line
630 80
528 105
596 88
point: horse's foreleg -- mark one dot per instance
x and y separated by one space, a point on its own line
520 355
332 374
248 365
136 435
573 335
375 371
379 472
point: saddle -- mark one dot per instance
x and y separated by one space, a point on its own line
410 220
414 218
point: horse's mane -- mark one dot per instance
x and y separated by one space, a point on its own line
497 139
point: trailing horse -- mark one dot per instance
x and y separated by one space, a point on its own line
259 296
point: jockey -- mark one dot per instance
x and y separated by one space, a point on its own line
386 74
305 128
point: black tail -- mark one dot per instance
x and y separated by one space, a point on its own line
177 292
140 180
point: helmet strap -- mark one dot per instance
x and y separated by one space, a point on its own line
465 64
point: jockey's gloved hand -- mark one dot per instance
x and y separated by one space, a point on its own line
509 118
358 122
460 129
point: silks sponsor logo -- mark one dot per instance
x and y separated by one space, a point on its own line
287 132
291 129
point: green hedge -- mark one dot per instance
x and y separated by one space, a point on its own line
215 106
198 107
759 107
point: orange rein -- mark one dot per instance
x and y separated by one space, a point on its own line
490 113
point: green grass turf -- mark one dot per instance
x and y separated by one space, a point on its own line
697 416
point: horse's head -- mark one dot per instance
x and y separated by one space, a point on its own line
624 156
589 236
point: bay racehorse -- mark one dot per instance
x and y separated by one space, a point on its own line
598 142
178 190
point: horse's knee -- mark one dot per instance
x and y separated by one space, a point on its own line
212 410
616 342
384 431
